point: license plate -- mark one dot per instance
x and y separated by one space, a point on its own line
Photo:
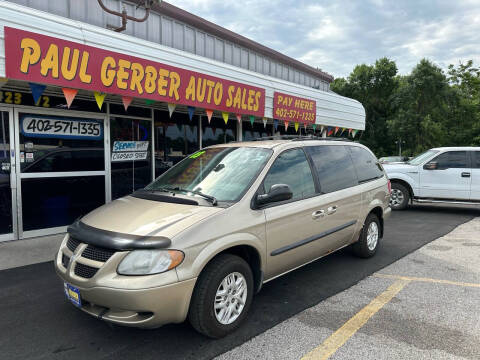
73 294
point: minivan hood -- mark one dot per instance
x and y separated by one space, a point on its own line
135 216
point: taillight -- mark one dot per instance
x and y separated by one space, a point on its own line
389 184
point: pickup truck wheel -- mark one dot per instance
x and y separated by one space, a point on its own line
222 296
399 197
367 244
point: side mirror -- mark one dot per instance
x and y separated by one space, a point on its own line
278 192
432 165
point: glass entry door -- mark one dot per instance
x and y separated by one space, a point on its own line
131 155
61 169
7 177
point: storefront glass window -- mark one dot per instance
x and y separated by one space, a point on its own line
217 132
256 131
5 190
175 138
131 142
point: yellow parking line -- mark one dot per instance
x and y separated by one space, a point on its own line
339 337
409 278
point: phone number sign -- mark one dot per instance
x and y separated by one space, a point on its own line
292 108
59 127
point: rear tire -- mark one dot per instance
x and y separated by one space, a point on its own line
367 244
399 197
221 287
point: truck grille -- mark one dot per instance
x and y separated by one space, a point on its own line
65 260
85 271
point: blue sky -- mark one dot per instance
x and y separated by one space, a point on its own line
337 35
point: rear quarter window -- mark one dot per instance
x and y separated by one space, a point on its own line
366 164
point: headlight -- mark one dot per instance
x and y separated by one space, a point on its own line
147 262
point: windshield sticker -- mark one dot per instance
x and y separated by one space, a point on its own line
197 154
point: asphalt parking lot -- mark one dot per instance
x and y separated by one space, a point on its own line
37 322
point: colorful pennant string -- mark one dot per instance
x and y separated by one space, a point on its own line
321 129
264 122
37 91
349 132
314 127
149 102
296 127
252 120
275 124
239 118
99 98
286 125
225 116
127 100
209 115
171 109
336 130
354 132
191 110
69 95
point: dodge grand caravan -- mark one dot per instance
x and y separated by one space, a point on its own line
201 240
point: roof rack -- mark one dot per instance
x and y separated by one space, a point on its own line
300 138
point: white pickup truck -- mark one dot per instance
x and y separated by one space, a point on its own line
440 175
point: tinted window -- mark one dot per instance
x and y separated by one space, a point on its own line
476 159
452 159
334 167
366 164
291 167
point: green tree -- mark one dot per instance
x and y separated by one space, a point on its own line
374 86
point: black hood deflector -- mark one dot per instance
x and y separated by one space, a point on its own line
113 240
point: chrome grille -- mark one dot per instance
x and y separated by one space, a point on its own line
85 271
96 253
72 244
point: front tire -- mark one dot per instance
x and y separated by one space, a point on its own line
367 244
399 197
222 297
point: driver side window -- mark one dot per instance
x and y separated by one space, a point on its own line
291 167
452 159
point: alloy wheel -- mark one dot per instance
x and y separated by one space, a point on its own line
396 198
230 298
372 236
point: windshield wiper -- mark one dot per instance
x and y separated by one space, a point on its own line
210 198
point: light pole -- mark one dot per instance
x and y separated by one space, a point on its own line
399 142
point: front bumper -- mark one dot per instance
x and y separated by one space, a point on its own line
141 301
387 212
147 308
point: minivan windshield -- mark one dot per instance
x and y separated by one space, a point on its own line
422 157
221 173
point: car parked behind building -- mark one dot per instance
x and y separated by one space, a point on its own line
201 240
440 175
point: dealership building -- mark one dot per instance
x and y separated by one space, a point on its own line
89 114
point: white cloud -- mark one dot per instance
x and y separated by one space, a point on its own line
335 36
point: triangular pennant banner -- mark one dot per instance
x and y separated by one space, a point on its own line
127 100
305 126
252 120
171 108
296 127
209 115
343 129
354 132
321 129
99 98
314 127
336 130
330 131
264 122
349 132
239 117
286 125
37 91
225 116
275 124
191 110
69 95
149 102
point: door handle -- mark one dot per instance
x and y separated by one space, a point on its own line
465 174
318 214
331 210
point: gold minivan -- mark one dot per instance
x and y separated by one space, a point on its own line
201 239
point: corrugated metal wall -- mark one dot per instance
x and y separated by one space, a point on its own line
170 32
